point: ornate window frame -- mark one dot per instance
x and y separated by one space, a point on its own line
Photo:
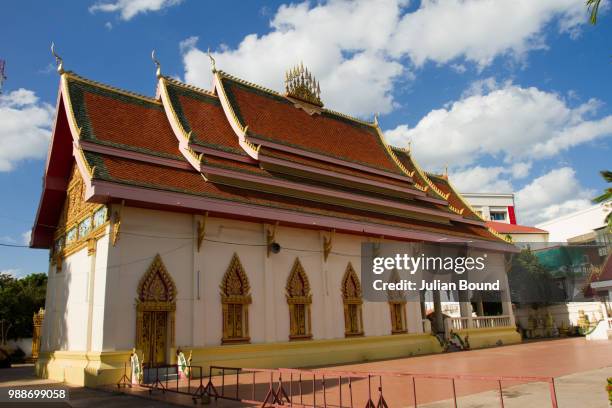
352 298
298 294
76 213
235 290
148 301
397 304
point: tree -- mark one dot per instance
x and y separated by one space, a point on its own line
19 300
531 283
593 6
606 196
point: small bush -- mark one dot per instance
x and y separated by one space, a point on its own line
18 356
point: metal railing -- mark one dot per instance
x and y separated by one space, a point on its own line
166 378
343 389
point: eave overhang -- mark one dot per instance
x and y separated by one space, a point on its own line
101 191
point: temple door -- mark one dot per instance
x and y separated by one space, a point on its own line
154 337
155 314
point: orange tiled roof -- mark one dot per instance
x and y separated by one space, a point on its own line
138 127
453 196
332 167
275 118
149 175
201 113
116 119
504 228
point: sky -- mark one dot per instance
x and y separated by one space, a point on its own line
510 95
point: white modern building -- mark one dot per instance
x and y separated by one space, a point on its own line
498 207
582 226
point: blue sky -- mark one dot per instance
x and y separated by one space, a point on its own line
511 98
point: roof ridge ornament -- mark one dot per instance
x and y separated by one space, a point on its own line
301 84
213 66
158 72
58 60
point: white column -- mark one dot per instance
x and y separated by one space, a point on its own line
269 317
466 311
506 300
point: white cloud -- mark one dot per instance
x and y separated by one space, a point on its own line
25 127
25 236
458 68
520 170
480 179
14 272
479 31
506 122
358 49
349 60
552 195
130 8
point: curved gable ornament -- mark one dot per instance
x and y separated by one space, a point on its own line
235 285
298 286
157 286
351 287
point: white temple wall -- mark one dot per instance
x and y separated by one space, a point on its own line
102 308
98 306
144 233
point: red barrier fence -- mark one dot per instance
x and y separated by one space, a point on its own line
327 387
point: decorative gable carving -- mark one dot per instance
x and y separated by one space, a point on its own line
157 285
235 283
351 287
298 285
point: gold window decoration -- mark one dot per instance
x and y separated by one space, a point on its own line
352 299
155 313
397 307
79 221
235 299
299 300
398 317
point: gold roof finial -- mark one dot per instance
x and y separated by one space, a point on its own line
58 60
376 118
301 84
158 73
446 171
213 67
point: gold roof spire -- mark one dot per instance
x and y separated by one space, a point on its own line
213 63
301 84
58 60
158 73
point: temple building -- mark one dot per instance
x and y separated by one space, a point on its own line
229 222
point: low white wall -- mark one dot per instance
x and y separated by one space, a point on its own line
567 313
24 344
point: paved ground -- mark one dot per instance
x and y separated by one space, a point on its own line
553 358
23 377
585 390
580 369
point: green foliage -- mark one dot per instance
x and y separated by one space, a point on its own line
593 6
607 195
529 279
19 300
